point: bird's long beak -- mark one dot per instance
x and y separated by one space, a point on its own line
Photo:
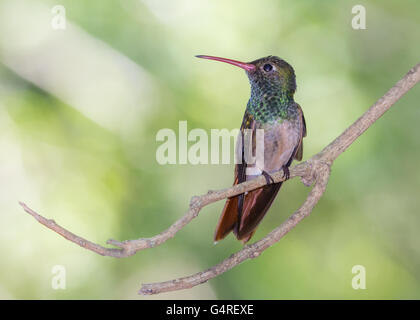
243 65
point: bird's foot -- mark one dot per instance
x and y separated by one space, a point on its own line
267 177
286 173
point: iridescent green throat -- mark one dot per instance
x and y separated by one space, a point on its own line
271 104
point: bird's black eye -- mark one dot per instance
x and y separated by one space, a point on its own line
268 67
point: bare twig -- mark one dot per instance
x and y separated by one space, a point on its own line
249 251
316 169
129 247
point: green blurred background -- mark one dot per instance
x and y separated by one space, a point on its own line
79 113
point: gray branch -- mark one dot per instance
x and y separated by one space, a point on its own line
315 171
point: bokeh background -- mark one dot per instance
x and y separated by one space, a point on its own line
79 113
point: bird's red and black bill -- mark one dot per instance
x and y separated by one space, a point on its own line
240 64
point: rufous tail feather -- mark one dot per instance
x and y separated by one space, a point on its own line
255 205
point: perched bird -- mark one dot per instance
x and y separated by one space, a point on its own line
271 108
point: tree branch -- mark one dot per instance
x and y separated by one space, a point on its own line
252 251
316 169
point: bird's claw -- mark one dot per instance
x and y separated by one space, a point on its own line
269 179
286 173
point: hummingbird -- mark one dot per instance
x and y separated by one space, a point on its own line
271 108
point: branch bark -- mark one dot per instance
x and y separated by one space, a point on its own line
315 170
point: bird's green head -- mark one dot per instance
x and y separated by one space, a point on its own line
266 75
